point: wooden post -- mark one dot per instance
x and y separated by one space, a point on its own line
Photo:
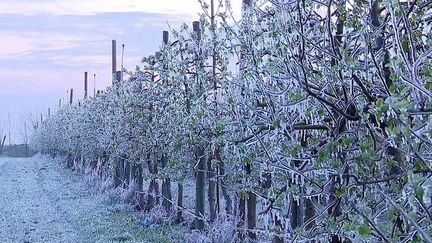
71 97
199 153
200 187
59 103
122 57
49 112
118 76
165 36
94 85
41 117
114 57
166 183
251 208
250 201
180 188
85 84
197 29
213 197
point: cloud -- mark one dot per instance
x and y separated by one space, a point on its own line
12 45
47 54
90 7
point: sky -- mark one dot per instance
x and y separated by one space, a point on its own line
47 45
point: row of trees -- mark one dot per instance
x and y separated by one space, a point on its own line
310 119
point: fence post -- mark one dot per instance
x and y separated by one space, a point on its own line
71 97
114 57
85 84
213 192
165 37
242 200
94 85
199 152
166 183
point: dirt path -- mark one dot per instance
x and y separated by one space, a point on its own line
42 202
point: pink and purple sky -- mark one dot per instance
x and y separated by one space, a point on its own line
46 45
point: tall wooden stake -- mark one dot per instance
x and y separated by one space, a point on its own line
166 183
213 197
94 85
199 152
165 37
85 85
71 97
251 200
114 57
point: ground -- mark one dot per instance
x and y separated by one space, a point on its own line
41 201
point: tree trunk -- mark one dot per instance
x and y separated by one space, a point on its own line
251 208
140 185
278 222
200 188
296 214
179 203
152 186
241 217
228 202
309 213
156 184
251 215
122 171
116 179
127 171
166 187
211 189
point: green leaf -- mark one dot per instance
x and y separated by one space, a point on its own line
220 128
419 192
395 130
364 230
340 192
294 151
405 46
378 116
380 103
428 85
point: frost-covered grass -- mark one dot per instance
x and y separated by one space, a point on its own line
41 201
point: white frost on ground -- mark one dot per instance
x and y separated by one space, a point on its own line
40 201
